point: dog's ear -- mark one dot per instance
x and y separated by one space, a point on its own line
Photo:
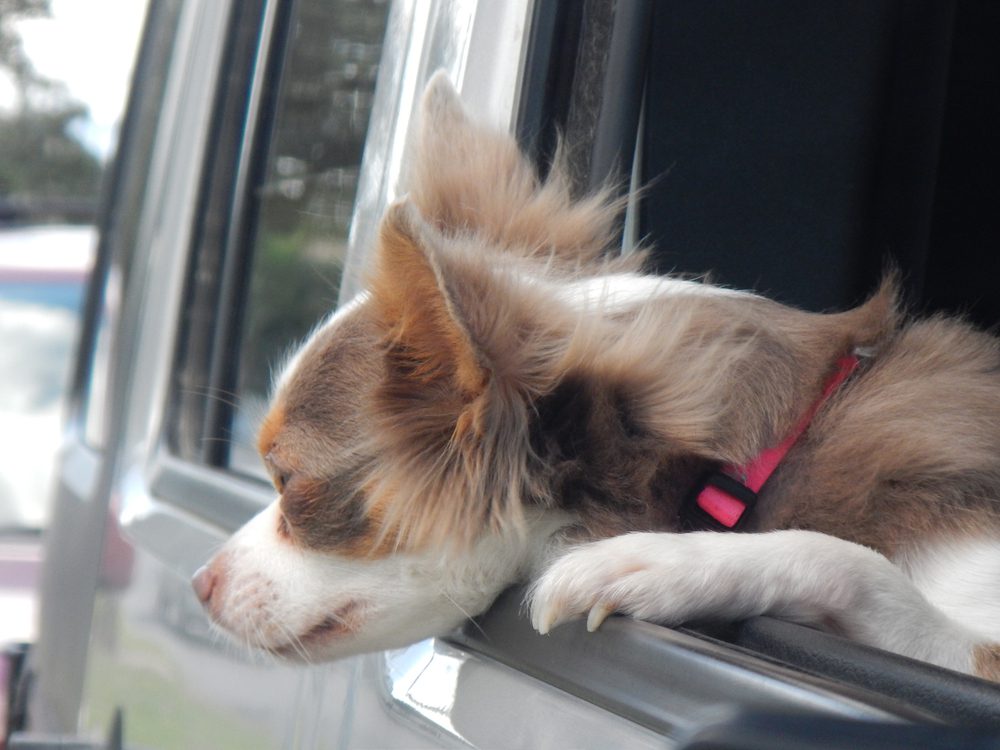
441 110
461 173
466 177
464 350
415 301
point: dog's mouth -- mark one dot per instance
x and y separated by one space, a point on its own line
342 622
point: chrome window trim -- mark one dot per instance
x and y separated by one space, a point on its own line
167 223
433 683
666 679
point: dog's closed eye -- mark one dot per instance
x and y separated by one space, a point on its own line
279 476
281 481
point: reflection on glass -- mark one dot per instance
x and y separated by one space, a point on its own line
307 197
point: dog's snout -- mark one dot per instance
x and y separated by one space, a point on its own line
203 583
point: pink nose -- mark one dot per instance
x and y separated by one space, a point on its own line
203 583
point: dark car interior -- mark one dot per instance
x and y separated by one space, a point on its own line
799 147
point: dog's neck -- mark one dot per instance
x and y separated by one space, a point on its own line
726 497
598 463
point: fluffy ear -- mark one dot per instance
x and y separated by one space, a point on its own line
464 350
465 177
441 107
414 301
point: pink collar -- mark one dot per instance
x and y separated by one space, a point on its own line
728 494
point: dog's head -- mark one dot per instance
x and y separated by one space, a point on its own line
398 438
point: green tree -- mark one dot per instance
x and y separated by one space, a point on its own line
45 172
13 60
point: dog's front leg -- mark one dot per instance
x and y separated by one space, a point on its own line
796 575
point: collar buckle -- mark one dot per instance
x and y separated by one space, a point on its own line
720 503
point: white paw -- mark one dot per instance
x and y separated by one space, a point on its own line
801 576
648 576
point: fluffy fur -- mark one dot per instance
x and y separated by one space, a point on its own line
505 404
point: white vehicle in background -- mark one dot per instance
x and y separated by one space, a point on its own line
43 275
785 146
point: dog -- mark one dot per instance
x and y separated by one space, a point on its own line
512 401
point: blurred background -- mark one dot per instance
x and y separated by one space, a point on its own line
65 67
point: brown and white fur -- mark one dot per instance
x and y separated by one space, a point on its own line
504 405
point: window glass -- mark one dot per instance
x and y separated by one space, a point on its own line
307 195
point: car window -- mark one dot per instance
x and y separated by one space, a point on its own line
306 197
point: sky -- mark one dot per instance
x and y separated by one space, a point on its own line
90 45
